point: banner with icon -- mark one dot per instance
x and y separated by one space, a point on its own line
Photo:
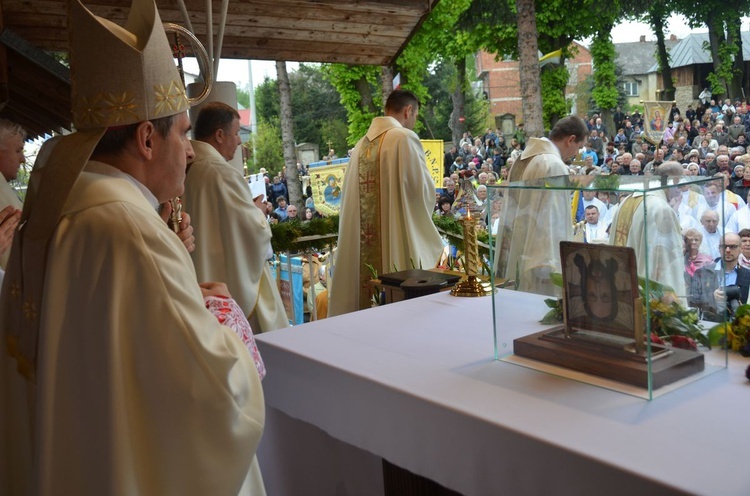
327 181
655 117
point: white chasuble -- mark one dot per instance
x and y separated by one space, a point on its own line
232 237
138 389
407 197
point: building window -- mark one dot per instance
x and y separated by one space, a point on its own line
631 88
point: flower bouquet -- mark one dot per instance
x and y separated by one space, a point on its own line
735 333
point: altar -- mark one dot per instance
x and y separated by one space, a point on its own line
416 383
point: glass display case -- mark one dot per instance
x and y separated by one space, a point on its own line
638 273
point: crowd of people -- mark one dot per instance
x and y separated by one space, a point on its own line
709 140
700 140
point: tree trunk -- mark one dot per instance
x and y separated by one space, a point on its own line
734 37
386 82
458 96
528 66
365 103
287 137
716 38
657 24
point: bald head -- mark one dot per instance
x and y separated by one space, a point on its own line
710 221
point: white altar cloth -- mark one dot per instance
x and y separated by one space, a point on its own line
415 382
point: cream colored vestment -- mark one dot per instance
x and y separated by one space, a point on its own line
139 390
232 237
407 199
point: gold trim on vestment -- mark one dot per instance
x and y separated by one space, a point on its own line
622 229
370 240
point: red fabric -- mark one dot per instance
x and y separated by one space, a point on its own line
229 313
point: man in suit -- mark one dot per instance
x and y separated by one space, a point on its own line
714 280
734 274
736 130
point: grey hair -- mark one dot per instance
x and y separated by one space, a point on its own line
9 128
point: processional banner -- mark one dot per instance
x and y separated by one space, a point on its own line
434 150
655 117
327 181
290 287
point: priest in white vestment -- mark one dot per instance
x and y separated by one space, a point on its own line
534 222
114 376
713 234
740 219
386 209
595 230
658 237
233 238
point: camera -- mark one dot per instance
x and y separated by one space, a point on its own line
733 296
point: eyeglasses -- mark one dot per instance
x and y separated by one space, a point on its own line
731 247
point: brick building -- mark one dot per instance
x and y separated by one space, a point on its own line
501 84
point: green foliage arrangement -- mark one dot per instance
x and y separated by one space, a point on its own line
286 235
454 231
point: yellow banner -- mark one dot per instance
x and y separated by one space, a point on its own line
434 151
327 182
655 117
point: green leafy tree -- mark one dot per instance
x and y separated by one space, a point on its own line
267 99
558 22
356 86
335 132
315 104
605 93
243 96
268 149
437 41
725 44
655 13
436 112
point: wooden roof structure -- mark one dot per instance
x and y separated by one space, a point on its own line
34 88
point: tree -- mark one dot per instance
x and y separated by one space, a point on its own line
528 68
363 89
354 84
287 136
605 92
497 24
658 12
436 112
725 44
243 96
315 104
267 99
441 39
268 148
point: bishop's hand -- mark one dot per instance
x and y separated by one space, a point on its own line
9 218
185 232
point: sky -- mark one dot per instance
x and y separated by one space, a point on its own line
237 70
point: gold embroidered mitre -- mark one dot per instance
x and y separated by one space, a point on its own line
133 80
